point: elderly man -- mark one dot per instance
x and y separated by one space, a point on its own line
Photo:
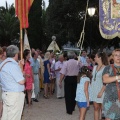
12 82
36 72
58 66
70 69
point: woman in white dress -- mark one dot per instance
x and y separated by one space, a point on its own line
97 87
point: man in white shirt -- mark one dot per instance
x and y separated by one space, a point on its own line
58 66
12 81
36 72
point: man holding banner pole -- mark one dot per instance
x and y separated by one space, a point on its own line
12 82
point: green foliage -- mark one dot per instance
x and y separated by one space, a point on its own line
9 26
64 19
35 31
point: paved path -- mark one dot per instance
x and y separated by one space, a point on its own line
52 109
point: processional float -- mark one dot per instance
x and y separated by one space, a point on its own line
53 45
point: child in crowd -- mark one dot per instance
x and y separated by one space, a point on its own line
82 93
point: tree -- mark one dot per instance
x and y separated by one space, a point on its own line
35 31
9 26
64 19
97 42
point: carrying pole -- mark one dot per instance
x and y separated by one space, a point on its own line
21 44
82 35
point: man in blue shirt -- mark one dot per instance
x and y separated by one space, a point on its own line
36 72
12 81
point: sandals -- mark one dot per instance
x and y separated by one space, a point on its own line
46 97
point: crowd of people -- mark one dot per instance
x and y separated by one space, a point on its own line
79 80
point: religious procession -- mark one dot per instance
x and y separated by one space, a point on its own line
55 70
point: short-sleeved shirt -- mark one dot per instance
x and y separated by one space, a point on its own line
83 61
57 66
80 94
35 65
111 104
111 92
10 76
70 68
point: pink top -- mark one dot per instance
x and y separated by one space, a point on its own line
29 80
70 68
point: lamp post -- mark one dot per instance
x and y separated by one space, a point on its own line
91 12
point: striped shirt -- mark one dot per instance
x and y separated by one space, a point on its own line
10 76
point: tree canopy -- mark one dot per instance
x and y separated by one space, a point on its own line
35 30
64 19
9 25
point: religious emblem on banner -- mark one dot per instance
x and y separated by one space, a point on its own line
109 18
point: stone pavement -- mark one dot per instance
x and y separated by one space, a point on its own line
52 109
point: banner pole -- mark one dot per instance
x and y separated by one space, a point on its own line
21 44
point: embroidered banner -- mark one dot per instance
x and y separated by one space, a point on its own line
109 18
22 8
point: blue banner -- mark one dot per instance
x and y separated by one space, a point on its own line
109 18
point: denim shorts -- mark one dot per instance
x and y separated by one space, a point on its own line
82 104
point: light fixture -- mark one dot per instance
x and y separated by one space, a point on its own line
91 11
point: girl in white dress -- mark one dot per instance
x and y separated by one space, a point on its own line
97 88
82 93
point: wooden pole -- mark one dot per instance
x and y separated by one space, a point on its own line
21 44
21 48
